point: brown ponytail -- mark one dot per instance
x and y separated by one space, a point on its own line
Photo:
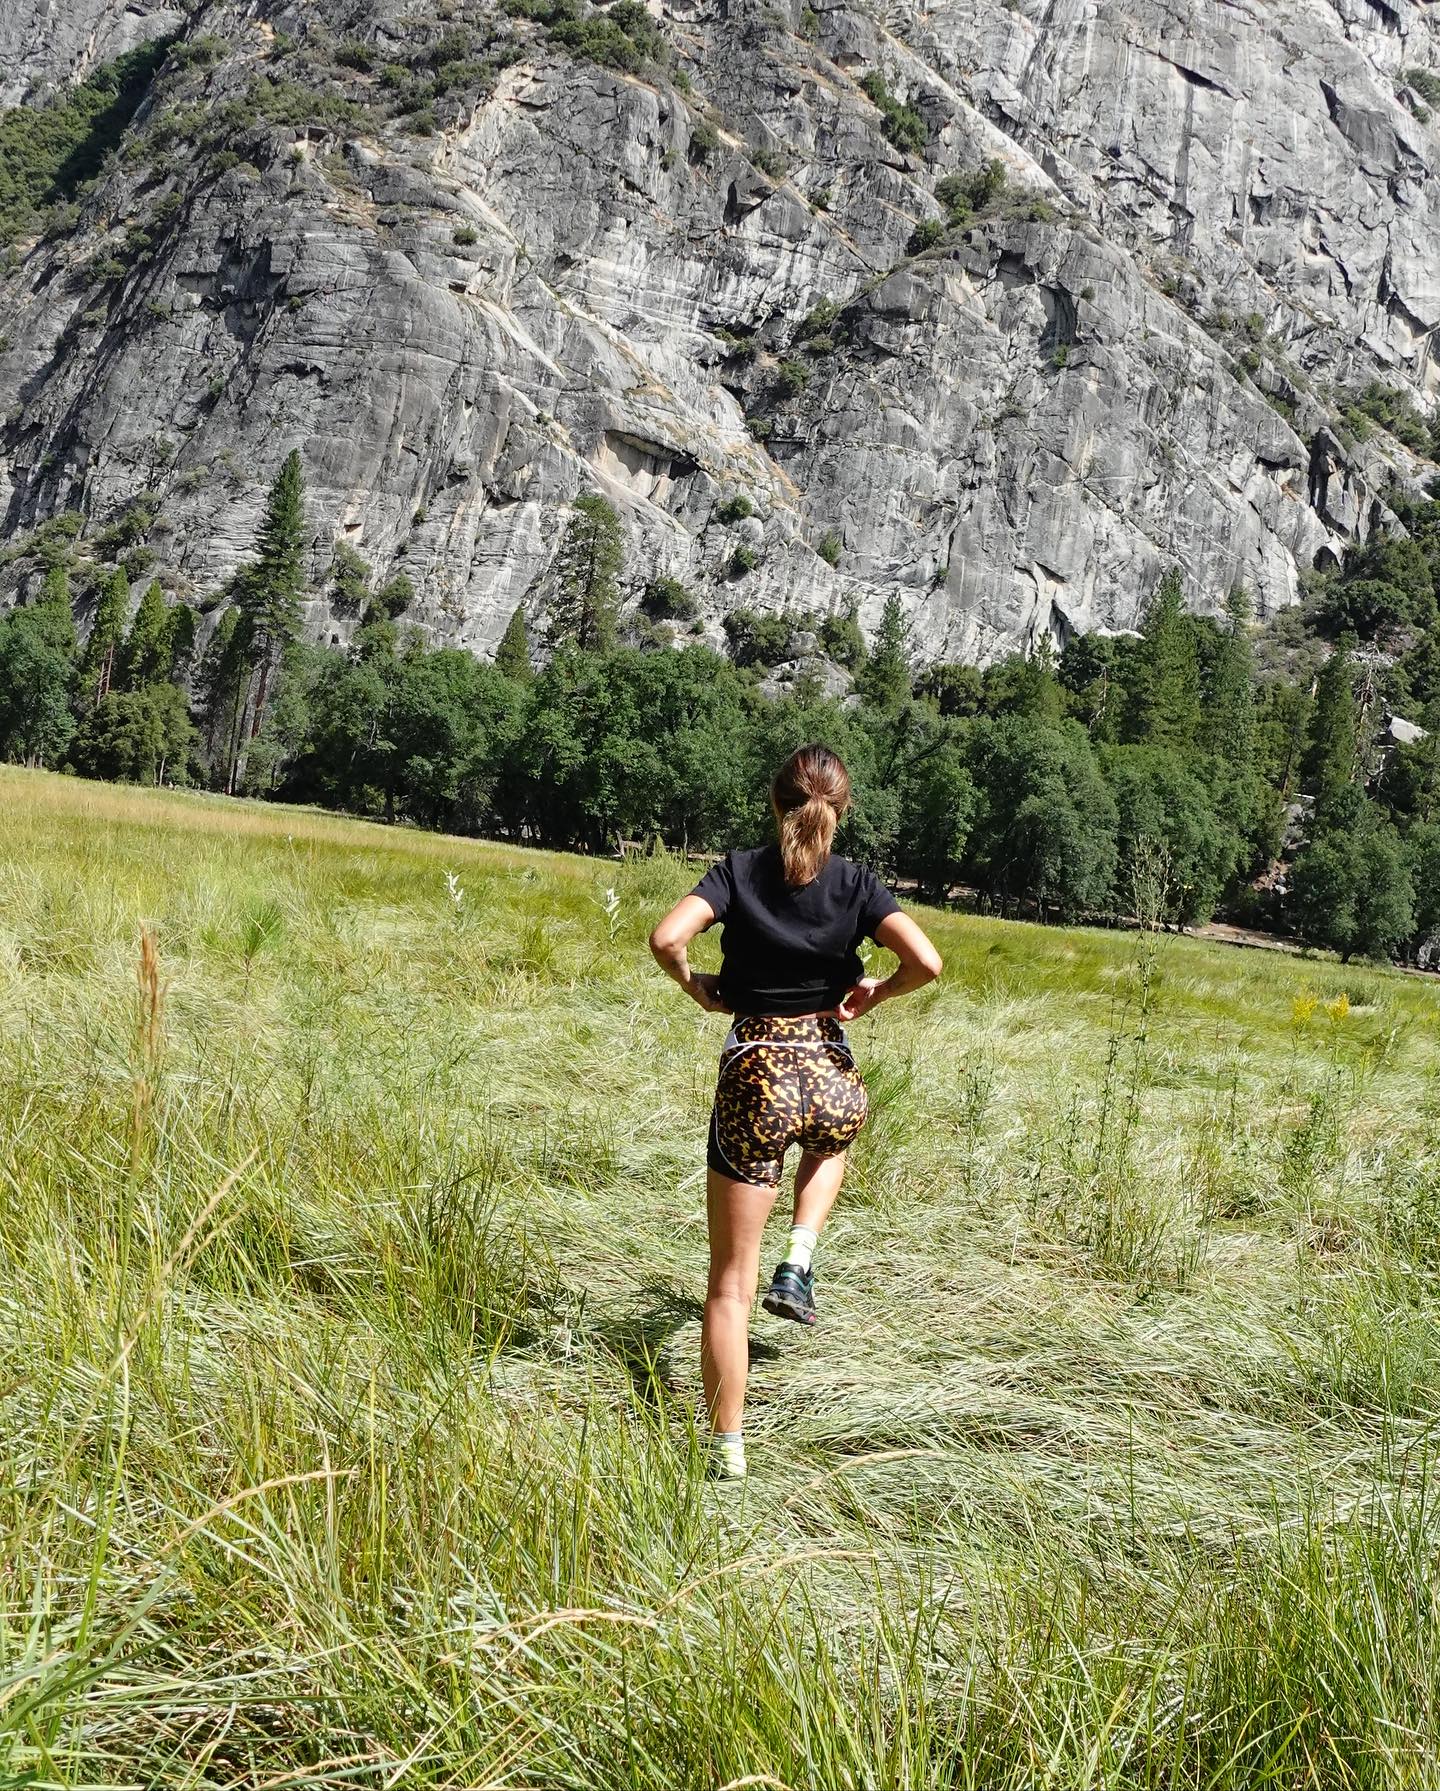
810 792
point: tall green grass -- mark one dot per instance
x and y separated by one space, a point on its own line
351 1244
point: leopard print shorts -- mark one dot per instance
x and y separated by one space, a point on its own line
783 1081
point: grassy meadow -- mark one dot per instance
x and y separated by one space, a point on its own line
351 1248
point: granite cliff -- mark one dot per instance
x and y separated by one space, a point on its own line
1002 304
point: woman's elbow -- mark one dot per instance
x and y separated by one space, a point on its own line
930 963
662 941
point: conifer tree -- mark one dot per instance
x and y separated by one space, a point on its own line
56 606
1038 686
184 626
224 677
885 680
97 668
1331 756
585 608
268 592
273 585
149 646
1228 725
512 656
1165 696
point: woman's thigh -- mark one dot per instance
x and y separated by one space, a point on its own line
737 1213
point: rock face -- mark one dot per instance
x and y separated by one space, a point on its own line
1217 221
46 42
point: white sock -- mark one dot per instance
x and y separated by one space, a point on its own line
729 1447
801 1247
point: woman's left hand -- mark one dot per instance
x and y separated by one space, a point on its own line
861 998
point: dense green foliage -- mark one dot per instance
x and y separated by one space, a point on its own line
623 36
49 151
37 676
1182 770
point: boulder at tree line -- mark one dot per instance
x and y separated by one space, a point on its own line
1004 305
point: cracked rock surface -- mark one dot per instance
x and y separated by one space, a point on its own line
1217 222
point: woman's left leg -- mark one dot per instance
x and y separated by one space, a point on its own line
737 1213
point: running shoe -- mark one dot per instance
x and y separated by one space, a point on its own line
726 1470
791 1294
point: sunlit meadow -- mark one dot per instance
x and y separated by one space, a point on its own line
352 1218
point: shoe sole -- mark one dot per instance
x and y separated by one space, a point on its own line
780 1307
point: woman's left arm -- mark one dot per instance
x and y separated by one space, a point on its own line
919 964
689 917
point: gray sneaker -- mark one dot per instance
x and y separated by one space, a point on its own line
791 1294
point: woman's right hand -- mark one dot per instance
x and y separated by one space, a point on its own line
704 987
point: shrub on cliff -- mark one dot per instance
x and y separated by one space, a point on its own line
902 125
758 640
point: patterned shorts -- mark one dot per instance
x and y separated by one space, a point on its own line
783 1081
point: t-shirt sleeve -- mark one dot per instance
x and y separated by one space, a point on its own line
876 903
717 886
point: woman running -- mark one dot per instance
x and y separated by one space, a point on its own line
794 915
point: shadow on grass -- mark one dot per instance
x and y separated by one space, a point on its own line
639 1340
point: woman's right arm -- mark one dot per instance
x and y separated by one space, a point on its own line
919 964
689 917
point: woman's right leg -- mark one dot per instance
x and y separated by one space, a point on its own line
817 1183
737 1213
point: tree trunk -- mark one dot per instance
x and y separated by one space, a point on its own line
233 755
107 668
260 699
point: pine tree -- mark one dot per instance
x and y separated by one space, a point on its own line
512 656
184 626
149 646
56 605
268 592
97 668
587 601
273 585
885 681
1165 700
1038 688
1228 724
1331 756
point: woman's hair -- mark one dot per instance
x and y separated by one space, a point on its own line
809 793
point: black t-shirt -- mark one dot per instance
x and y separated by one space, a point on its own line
785 950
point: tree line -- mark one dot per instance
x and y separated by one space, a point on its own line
1252 763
